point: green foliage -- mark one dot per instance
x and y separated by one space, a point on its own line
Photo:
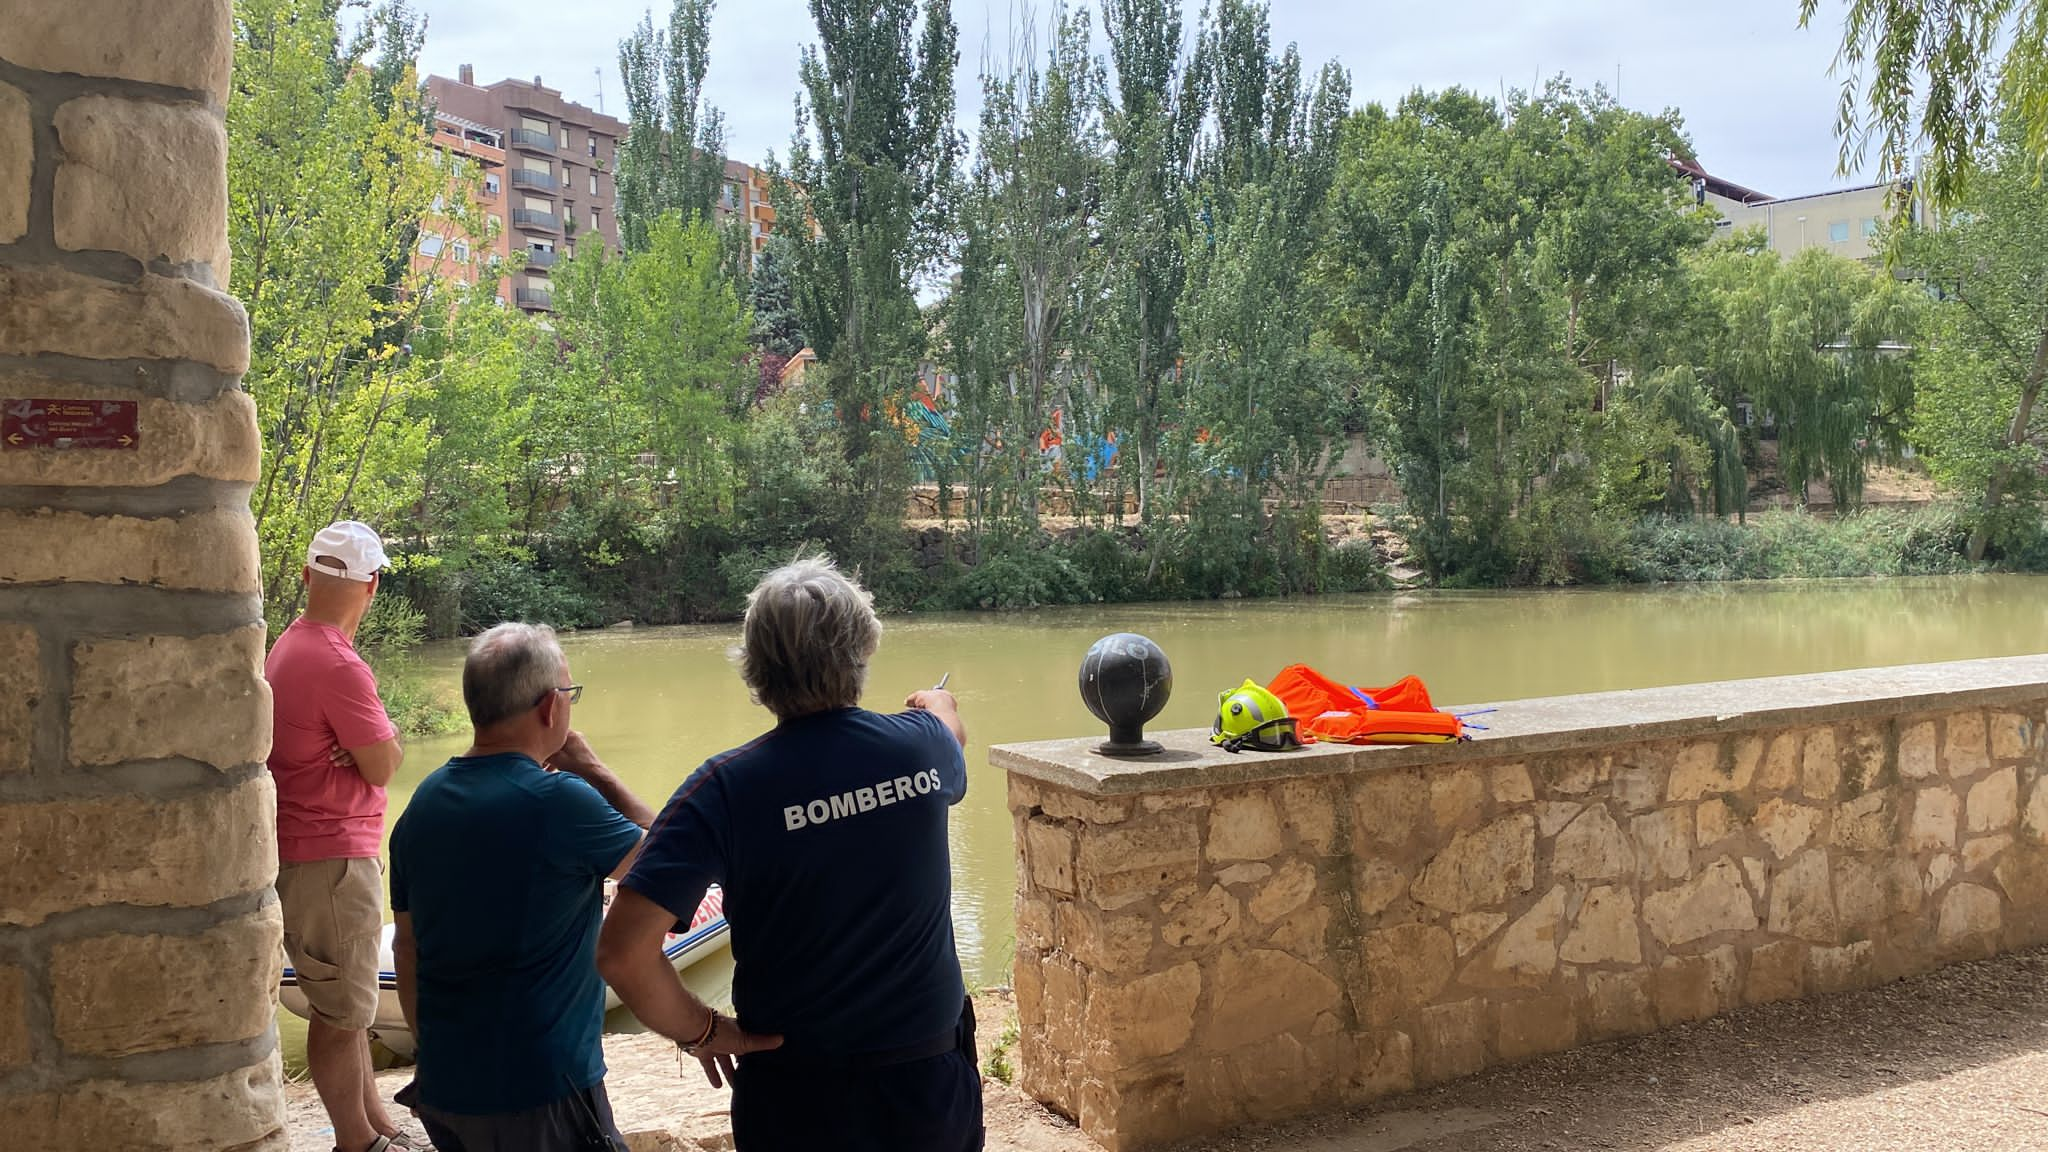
672 161
1792 545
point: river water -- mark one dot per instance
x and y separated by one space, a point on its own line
660 700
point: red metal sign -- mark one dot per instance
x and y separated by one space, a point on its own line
64 424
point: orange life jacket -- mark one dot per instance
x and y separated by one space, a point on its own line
1397 714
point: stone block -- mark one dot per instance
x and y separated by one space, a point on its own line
1049 855
21 686
1777 971
1035 921
1843 969
1606 931
1970 914
121 995
14 1043
1471 929
1869 892
1917 760
1536 1027
1714 901
1639 787
1715 821
1553 815
1250 872
1933 824
1511 784
200 697
2034 821
1869 823
1376 884
1702 770
1405 967
1757 873
1779 768
235 1110
1803 901
176 43
1126 863
143 178
1481 868
1619 1004
1066 804
1243 827
1820 768
1386 809
1786 826
1457 798
1663 844
2012 735
1939 870
1383 1064
183 852
1993 802
1117 945
1308 811
1305 933
1966 748
47 310
1591 847
2023 876
17 164
1204 921
1860 749
1981 852
208 551
1263 991
1526 953
1148 1017
1290 888
1570 775
215 440
1452 1041
1684 989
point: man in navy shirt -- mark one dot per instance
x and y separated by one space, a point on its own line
828 834
497 885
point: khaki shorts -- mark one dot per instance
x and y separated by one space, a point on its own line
333 931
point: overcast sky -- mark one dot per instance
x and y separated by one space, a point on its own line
1753 87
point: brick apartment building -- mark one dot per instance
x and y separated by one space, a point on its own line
446 248
746 195
561 165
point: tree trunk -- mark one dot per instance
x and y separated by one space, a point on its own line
2015 435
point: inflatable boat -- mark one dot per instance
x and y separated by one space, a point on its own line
706 934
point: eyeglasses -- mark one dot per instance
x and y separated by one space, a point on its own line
575 692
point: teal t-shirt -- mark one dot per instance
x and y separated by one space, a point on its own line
501 865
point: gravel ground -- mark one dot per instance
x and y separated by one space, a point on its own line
1951 1061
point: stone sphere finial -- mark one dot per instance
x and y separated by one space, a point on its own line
1126 681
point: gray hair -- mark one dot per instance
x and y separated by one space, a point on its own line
809 634
508 670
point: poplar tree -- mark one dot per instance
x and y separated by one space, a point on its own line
673 157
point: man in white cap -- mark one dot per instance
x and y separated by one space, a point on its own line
333 749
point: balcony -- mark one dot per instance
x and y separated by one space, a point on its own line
543 221
540 258
533 141
523 178
537 299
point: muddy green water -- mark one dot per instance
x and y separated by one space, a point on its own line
660 700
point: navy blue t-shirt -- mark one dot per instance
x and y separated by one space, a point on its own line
502 865
829 836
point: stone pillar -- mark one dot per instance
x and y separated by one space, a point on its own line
139 937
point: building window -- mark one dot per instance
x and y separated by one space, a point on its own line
565 139
593 183
593 147
1838 232
593 220
491 184
430 245
440 205
1870 227
462 251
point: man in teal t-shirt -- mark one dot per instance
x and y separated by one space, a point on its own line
497 885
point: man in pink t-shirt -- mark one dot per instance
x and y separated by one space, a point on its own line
332 751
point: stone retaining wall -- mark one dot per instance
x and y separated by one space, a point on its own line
1215 941
139 939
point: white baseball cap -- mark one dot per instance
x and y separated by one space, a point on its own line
352 543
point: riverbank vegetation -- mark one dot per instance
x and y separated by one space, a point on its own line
1168 280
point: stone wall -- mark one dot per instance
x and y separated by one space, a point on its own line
1216 941
139 939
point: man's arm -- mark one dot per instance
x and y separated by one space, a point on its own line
630 959
578 760
940 703
375 763
404 958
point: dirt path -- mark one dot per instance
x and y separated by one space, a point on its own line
1955 1060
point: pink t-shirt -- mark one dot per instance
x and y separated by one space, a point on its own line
323 695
